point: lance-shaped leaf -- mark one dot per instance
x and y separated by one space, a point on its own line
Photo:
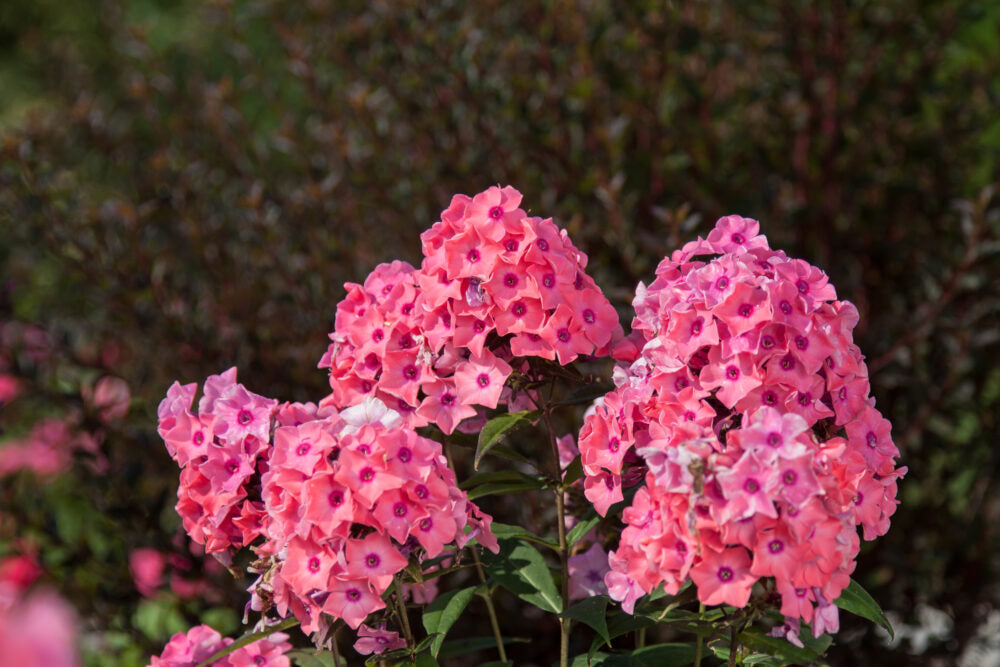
523 571
856 600
499 427
593 612
442 613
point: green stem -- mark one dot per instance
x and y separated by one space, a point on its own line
698 644
250 639
488 597
404 619
336 649
733 647
564 623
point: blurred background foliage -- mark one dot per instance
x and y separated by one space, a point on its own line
191 183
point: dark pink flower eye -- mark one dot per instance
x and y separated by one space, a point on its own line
426 524
805 399
746 310
405 454
372 560
232 465
519 309
787 362
421 491
409 371
722 283
732 372
244 417
801 342
776 546
510 280
302 449
496 212
789 477
198 438
725 573
769 398
447 399
314 565
871 439
785 307
472 256
366 474
613 445
406 342
543 245
549 280
774 438
366 386
511 245
696 327
387 289
751 486
737 239
371 361
336 498
564 335
399 509
766 342
680 383
483 380
407 309
802 286
588 316
354 595
479 326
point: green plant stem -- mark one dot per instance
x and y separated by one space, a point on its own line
698 644
564 623
488 598
733 646
336 649
404 619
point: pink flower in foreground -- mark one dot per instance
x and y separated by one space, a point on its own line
37 631
202 642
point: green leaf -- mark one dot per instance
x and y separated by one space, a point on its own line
481 478
574 471
778 647
442 613
498 428
311 658
856 600
504 531
524 483
523 571
426 660
653 656
577 532
592 612
456 647
586 394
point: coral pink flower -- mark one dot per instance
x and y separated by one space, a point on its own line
724 577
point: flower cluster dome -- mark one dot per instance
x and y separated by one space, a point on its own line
745 424
495 285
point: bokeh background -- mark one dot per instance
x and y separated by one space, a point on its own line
185 186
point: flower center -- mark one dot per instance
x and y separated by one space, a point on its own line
232 465
198 438
426 524
543 245
405 454
746 310
801 342
510 245
802 286
510 280
789 477
549 280
805 399
680 383
787 362
483 380
353 595
696 327
774 439
722 283
751 486
372 560
785 307
496 212
378 335
399 509
769 397
336 498
588 316
725 573
314 565
871 439
302 449
421 491
613 445
737 239
409 371
472 256
447 399
244 417
732 372
519 309
564 335
776 546
367 474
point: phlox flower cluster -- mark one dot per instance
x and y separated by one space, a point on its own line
202 642
495 284
347 499
341 499
746 424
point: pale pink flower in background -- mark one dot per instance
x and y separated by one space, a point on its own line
586 573
146 566
37 631
377 641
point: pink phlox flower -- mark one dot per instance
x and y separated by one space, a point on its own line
369 410
374 558
377 641
736 234
110 397
351 600
586 573
178 400
789 630
723 577
747 486
480 379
